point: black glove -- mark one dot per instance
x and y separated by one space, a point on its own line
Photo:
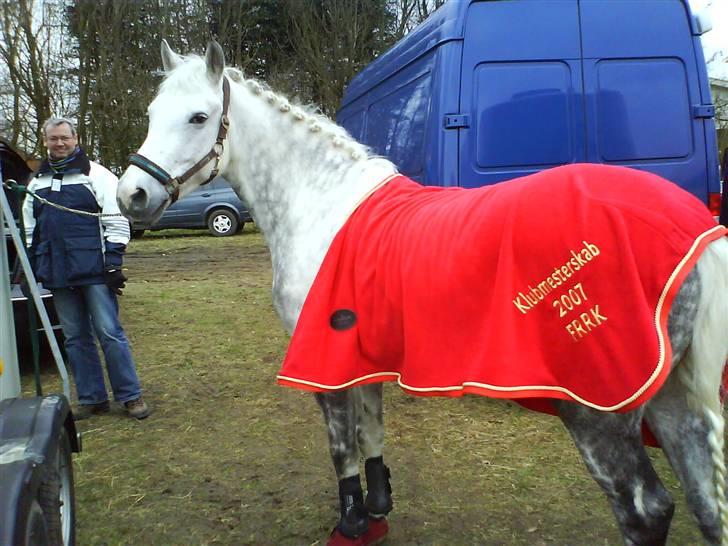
115 280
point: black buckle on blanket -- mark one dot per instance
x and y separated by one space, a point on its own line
342 319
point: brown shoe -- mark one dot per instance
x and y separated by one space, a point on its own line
137 408
84 411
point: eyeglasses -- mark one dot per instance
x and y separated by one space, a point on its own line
64 139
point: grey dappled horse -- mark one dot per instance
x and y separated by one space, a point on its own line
301 174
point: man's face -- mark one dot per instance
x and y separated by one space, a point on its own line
60 141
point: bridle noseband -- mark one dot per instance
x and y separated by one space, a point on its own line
172 185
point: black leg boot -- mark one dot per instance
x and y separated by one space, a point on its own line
354 516
379 490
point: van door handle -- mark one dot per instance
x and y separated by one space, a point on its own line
206 194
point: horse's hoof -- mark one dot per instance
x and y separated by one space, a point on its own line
378 529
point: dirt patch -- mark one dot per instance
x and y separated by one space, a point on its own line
230 458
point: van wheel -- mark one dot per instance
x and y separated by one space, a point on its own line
137 233
56 495
222 223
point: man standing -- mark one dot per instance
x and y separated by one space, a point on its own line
78 257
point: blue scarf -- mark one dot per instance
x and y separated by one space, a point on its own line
77 162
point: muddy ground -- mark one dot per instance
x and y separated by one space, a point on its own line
230 458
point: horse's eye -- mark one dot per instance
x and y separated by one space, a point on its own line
198 118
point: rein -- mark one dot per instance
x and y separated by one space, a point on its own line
172 185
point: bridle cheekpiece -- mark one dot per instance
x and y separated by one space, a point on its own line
172 185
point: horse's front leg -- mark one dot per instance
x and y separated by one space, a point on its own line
339 409
370 434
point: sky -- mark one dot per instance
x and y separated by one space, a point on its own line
715 41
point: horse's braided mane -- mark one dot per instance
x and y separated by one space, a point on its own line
317 122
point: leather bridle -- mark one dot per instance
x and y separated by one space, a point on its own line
172 185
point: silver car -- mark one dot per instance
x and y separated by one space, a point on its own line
214 206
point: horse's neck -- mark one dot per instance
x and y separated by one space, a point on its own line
300 188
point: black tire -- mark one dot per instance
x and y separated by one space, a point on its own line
56 495
222 223
137 233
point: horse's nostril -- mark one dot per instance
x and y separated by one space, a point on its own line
139 199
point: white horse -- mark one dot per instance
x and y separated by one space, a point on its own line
302 175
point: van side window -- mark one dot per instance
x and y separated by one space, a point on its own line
396 124
354 124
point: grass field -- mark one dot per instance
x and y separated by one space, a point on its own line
230 458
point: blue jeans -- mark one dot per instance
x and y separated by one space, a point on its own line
86 310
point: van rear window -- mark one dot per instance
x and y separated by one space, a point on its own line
525 114
638 120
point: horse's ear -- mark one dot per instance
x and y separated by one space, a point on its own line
169 58
215 59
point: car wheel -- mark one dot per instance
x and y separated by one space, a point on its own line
36 531
222 223
56 495
137 233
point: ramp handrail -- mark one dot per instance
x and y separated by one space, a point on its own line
35 292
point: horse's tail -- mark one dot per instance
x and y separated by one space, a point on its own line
702 369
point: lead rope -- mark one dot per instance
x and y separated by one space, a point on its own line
716 441
17 188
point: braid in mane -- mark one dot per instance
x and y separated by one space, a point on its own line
317 123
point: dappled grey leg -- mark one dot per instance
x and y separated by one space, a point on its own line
339 409
611 445
370 434
681 319
370 420
683 436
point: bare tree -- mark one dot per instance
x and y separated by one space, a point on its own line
92 59
332 40
410 13
32 38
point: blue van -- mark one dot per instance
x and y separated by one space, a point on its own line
485 91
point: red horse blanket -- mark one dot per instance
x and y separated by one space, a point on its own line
555 285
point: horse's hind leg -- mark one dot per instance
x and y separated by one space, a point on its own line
683 436
370 434
686 415
611 445
339 409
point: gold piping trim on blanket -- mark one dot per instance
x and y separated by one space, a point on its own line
352 383
698 244
689 258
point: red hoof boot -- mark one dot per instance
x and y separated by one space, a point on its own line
337 539
378 529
